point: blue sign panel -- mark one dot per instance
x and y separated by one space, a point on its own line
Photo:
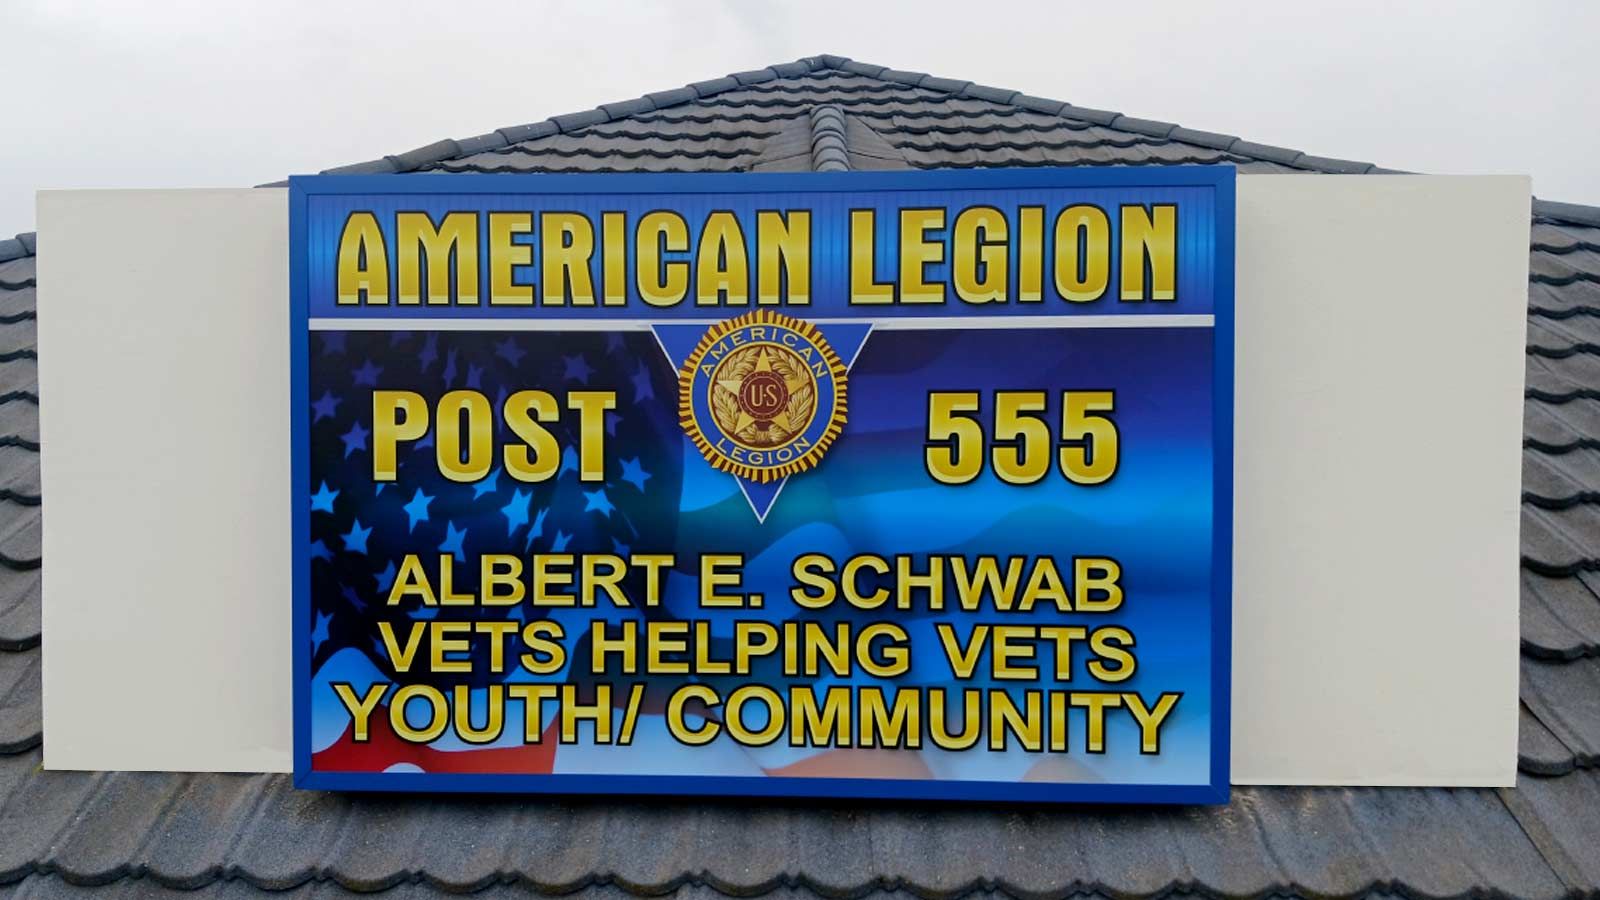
861 484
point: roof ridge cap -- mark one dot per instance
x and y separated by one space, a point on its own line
22 246
1567 213
829 150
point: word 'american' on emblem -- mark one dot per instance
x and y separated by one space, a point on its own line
762 396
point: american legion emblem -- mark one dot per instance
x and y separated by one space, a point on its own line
762 396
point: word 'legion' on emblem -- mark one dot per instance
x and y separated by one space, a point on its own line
762 396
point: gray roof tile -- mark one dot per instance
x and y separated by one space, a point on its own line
228 835
959 116
618 144
1565 696
36 807
1561 301
992 94
19 537
644 130
1557 481
19 472
1090 114
494 140
16 273
860 68
793 69
1561 615
1563 238
628 107
1151 127
1039 104
416 159
1064 153
532 131
21 700
1551 380
899 77
827 135
1575 263
1282 155
18 336
1571 213
830 159
815 90
1539 751
662 99
574 121
949 85
1559 427
1213 139
19 610
787 149
17 304
1553 336
755 76
714 86
19 422
383 166
1561 816
182 830
869 150
1062 141
18 375
1334 166
1557 541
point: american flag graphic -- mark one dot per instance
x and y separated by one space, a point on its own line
870 494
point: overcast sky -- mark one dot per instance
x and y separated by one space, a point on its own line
203 93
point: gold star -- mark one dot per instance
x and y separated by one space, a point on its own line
763 364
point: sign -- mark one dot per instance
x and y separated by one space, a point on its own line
870 485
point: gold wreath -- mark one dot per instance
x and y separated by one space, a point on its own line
797 416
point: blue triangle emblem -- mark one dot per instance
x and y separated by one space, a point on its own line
679 341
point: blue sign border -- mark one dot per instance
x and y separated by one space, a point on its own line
1220 178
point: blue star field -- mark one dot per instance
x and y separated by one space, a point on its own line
362 529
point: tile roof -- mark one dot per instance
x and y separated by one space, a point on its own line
62 833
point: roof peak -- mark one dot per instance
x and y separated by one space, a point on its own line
439 151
